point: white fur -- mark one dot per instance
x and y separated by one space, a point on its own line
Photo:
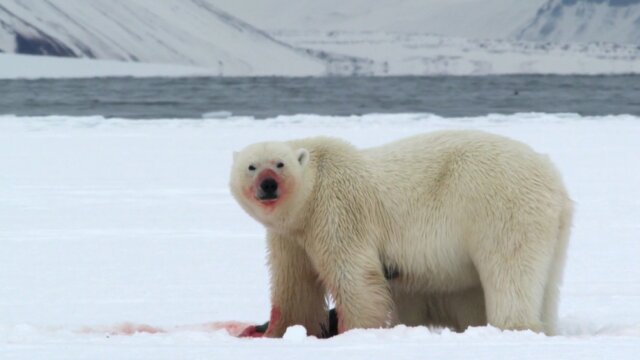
476 225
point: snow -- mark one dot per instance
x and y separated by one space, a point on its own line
379 54
295 333
120 239
36 67
562 21
428 54
615 21
457 18
459 37
186 32
331 37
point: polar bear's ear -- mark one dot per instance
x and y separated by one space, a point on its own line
303 156
235 155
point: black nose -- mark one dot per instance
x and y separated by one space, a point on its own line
269 186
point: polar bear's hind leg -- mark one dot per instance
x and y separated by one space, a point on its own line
514 276
550 306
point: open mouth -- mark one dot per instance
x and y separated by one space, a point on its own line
268 198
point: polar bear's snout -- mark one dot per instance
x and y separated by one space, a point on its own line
267 186
268 189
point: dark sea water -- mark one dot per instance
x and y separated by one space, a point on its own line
270 96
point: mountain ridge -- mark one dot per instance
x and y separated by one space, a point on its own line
615 21
191 32
334 37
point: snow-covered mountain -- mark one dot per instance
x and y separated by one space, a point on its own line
189 32
488 19
345 37
616 21
564 21
427 54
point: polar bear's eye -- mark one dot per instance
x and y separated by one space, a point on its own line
252 168
280 165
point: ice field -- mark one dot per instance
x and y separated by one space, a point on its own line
107 225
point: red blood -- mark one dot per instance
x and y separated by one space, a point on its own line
234 328
250 331
275 317
124 329
269 205
268 173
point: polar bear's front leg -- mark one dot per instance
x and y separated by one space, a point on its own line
361 292
297 296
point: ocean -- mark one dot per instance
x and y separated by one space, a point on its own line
266 97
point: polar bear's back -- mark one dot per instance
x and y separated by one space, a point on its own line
445 145
476 160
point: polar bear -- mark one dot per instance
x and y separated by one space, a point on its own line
450 228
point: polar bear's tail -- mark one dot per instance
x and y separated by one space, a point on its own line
550 306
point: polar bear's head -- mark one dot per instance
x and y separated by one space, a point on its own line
267 179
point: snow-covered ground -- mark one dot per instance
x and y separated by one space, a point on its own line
459 37
14 66
372 54
428 54
109 221
489 19
562 21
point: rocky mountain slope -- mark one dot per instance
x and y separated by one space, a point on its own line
616 21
